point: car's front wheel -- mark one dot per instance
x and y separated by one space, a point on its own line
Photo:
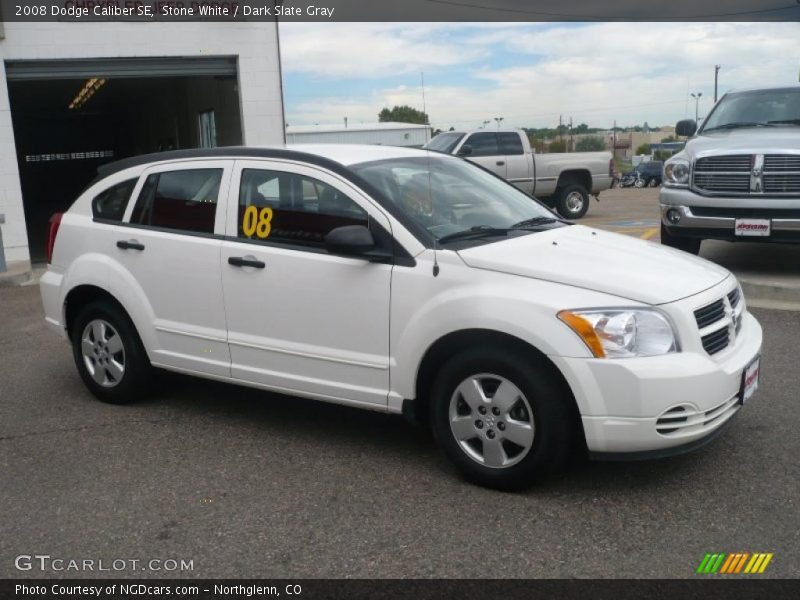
501 418
109 354
687 244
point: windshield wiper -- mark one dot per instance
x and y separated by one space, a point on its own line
737 125
785 122
474 232
533 221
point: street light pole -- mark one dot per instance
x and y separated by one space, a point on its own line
696 104
498 119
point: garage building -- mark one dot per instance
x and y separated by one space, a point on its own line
76 95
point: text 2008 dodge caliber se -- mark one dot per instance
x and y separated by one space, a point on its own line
402 281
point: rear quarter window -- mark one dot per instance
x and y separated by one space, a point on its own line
110 205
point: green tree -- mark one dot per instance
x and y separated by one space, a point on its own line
669 139
590 144
643 149
403 114
558 146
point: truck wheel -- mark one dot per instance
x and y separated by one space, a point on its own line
573 202
502 419
639 183
690 245
109 354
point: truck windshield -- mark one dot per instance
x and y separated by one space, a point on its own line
756 108
444 142
448 195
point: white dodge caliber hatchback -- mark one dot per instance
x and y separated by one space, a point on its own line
402 281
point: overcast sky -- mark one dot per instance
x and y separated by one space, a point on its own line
527 73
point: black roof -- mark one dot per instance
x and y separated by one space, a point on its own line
107 169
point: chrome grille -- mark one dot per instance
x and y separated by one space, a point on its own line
728 162
781 184
751 174
723 182
728 173
782 162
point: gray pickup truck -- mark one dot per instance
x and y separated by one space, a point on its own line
561 180
738 178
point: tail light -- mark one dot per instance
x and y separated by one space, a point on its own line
55 222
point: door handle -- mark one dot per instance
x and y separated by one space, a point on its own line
500 163
246 261
130 245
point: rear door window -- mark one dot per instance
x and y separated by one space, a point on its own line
183 200
510 143
110 205
483 144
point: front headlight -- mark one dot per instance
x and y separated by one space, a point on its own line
676 172
622 333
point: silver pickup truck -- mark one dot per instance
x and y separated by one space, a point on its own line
738 178
560 180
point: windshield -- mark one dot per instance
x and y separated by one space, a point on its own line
448 195
444 142
760 107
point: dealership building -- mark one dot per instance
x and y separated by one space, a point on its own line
76 95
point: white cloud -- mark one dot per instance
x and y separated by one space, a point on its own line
632 72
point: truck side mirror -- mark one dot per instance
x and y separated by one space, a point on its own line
465 150
687 127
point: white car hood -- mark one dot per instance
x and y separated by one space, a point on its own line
601 261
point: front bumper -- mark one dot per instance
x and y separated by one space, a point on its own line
714 217
627 405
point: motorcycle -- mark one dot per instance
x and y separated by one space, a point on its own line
632 179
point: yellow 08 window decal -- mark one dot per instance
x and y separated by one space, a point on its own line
258 223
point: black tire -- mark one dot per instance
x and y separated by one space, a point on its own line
552 417
133 383
690 245
565 205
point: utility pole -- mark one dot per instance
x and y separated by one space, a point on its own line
560 131
570 135
696 104
424 111
716 79
614 140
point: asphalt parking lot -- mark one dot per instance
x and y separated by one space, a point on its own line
250 484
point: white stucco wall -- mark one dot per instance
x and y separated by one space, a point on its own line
255 45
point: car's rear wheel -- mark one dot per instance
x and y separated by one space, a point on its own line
502 419
573 202
109 354
687 244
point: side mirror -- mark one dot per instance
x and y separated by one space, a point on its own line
687 127
465 150
350 240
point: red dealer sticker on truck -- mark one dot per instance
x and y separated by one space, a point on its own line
754 227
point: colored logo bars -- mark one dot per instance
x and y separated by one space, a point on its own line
741 562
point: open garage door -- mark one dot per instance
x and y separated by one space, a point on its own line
71 116
27 70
